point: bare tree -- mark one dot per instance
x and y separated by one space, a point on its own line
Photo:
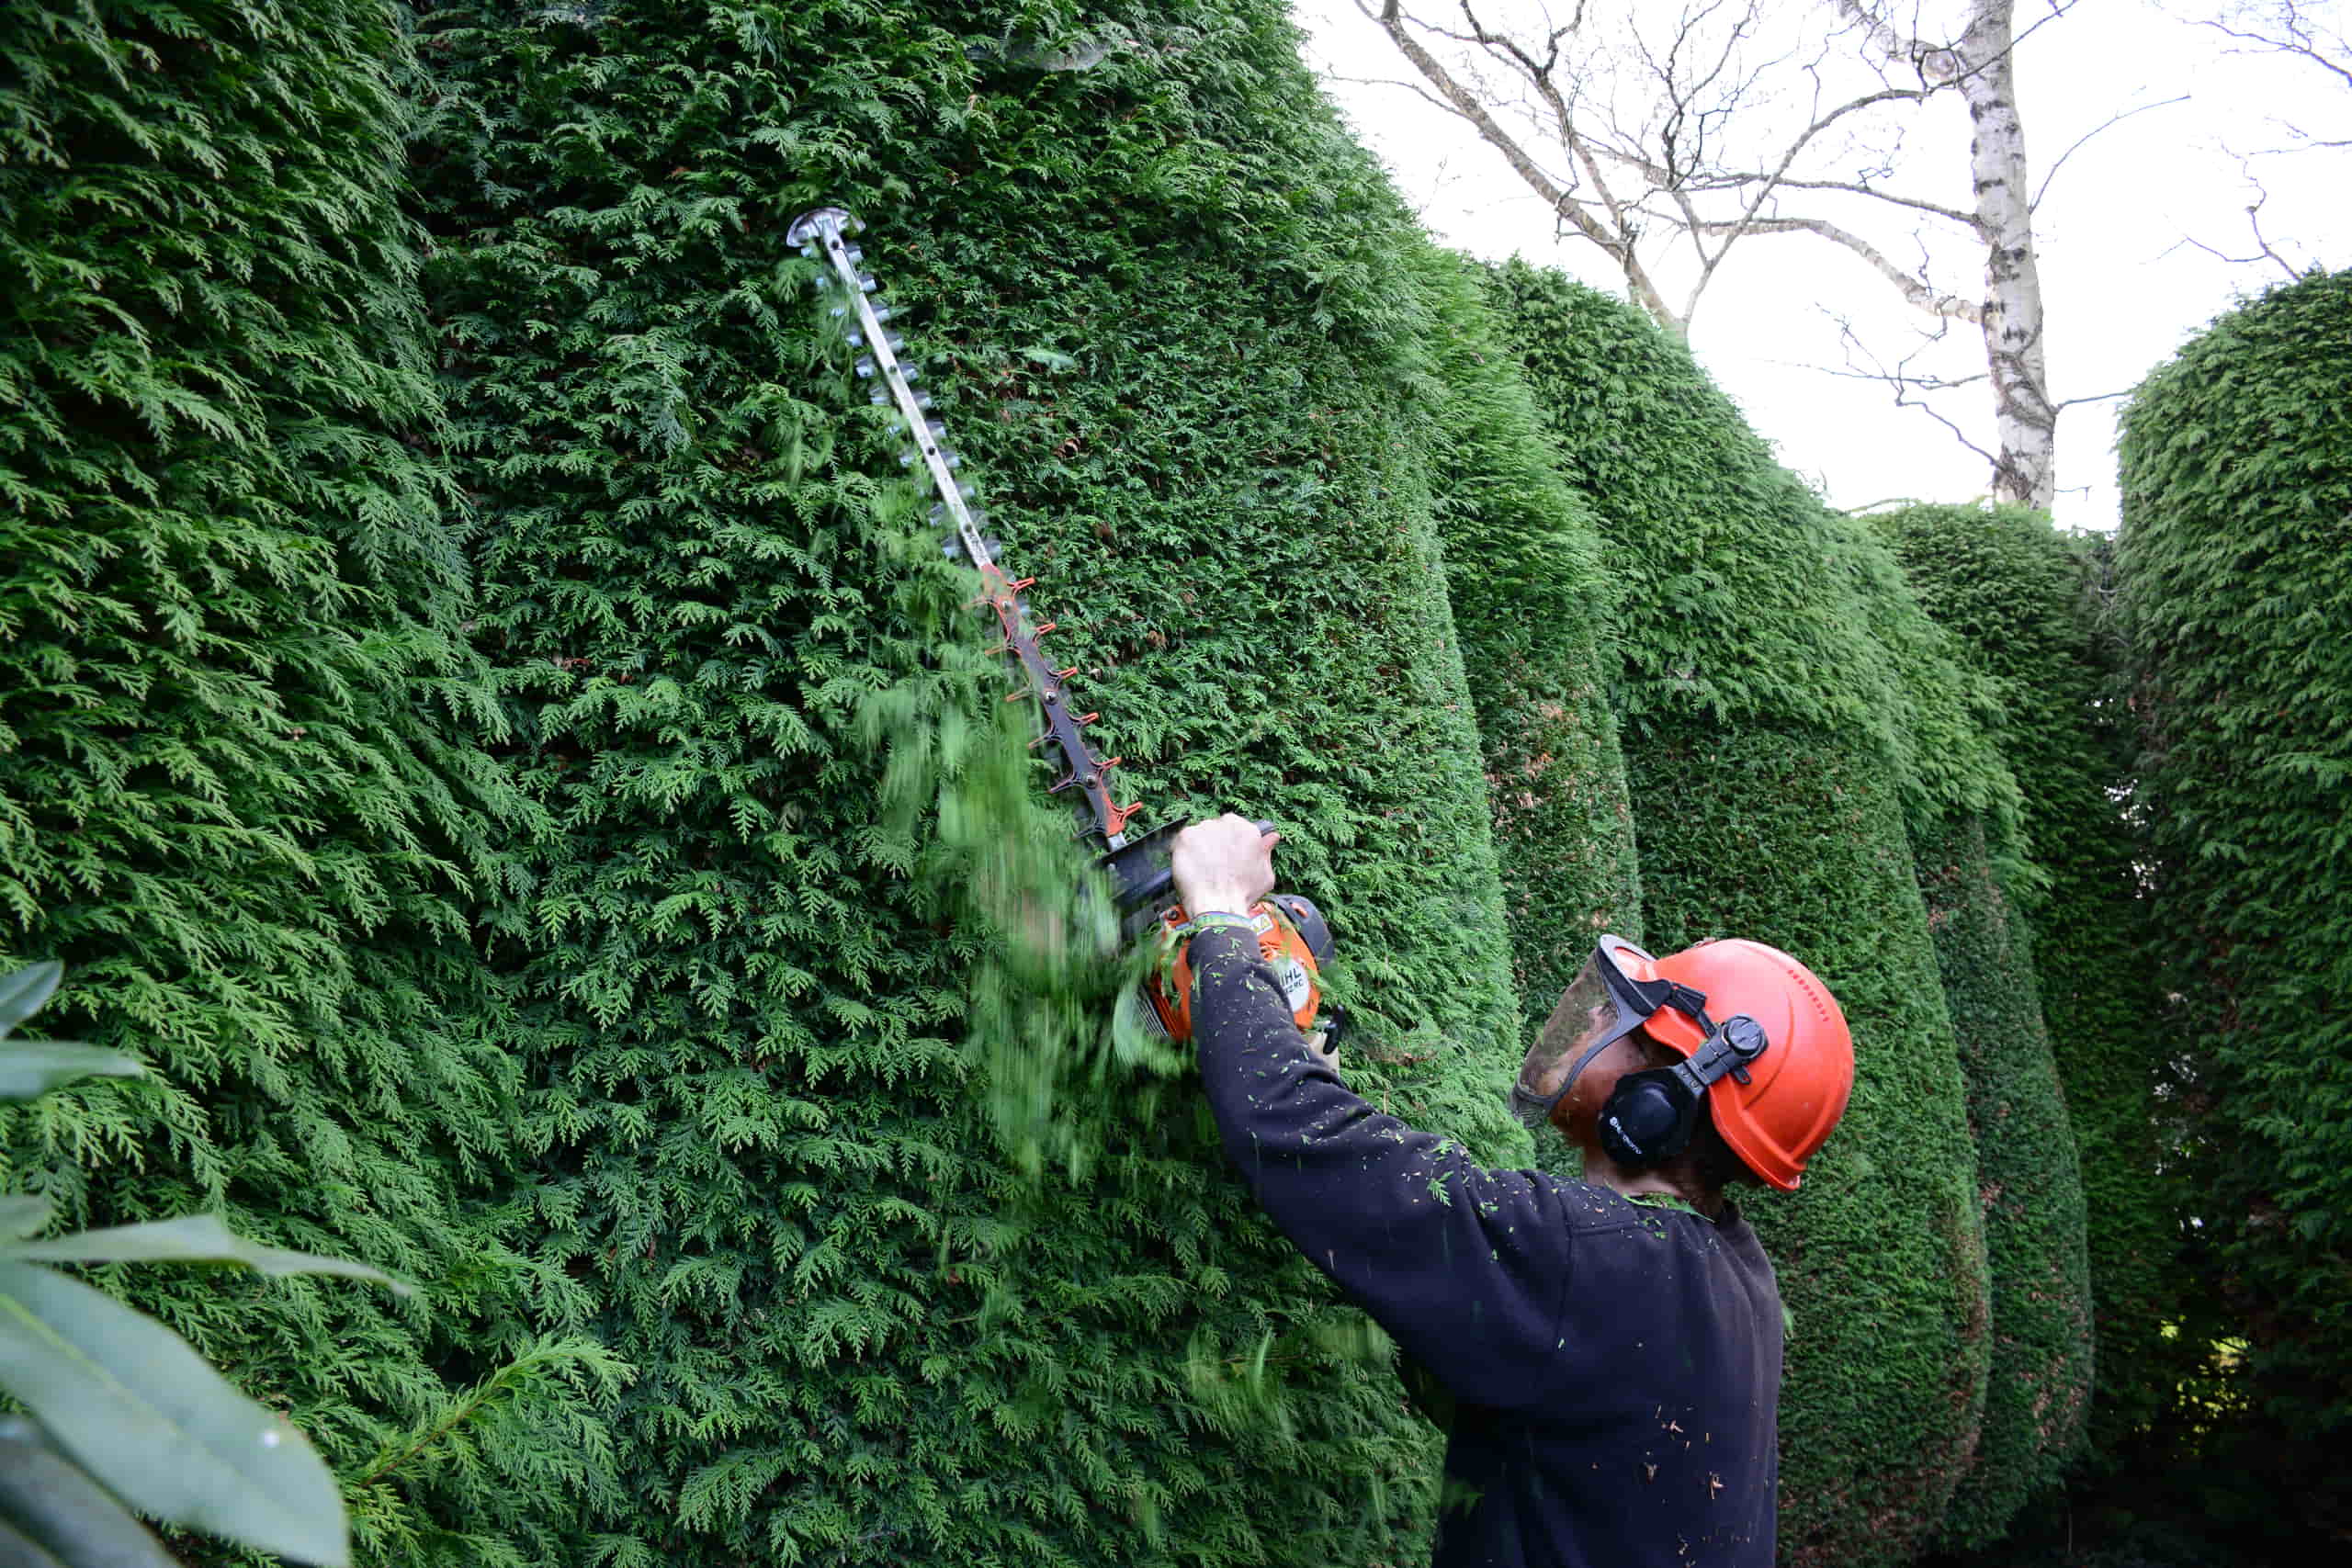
1667 131
2314 31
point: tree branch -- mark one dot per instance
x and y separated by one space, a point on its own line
1940 65
1617 242
2059 162
1914 52
2095 398
1413 87
2297 41
2057 9
2263 249
1965 220
1920 293
1902 383
1925 383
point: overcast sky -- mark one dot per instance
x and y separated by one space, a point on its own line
2122 288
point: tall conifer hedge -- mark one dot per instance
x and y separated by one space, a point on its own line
2235 565
2038 1392
230 800
1523 571
1964 816
2020 599
1769 803
1168 310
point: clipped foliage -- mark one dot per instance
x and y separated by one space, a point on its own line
1965 811
1761 742
1532 605
2028 1180
229 800
2018 598
2234 563
1164 306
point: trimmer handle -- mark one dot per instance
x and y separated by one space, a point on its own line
1291 939
1295 939
1142 881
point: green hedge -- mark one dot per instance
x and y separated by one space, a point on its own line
2023 602
1524 571
2029 1180
230 797
1966 830
1167 309
1770 802
2235 566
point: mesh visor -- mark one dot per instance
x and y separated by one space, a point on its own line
1599 1006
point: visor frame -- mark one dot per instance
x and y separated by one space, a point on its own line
1637 1001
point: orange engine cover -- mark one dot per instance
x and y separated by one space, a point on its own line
1280 943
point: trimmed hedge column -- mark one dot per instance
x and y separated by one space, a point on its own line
1769 802
1964 816
2038 1391
231 796
2235 566
1166 307
2017 596
1522 569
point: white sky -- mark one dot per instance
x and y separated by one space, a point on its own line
2121 289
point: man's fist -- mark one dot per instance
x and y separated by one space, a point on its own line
1223 865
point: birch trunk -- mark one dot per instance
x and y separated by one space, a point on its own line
2027 423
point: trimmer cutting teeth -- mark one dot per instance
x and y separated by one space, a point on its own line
1293 935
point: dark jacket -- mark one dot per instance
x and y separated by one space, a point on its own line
1615 1366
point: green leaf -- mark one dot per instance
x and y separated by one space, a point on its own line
59 1511
28 1071
1052 359
22 993
143 1413
21 1214
191 1238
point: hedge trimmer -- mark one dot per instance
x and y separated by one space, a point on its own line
1291 935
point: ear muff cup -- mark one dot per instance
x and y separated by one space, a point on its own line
1649 1117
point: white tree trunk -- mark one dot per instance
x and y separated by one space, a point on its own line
1652 163
2026 423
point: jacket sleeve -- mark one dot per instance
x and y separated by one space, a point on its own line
1466 1268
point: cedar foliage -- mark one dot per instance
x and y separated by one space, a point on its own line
2029 1182
2235 561
230 800
1522 570
1770 794
1164 304
1965 815
2020 599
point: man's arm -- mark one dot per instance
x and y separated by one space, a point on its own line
1466 1269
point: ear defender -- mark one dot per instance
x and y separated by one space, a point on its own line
1650 1116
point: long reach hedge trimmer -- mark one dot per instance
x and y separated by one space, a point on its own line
1291 935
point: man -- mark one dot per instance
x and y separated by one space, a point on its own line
1612 1347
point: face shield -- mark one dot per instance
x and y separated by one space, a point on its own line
1613 995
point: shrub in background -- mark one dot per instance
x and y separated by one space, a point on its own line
2234 563
229 796
1166 307
1769 803
2022 600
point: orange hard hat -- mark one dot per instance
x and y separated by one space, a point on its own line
1796 1089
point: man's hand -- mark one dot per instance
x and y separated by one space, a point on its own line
1224 864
